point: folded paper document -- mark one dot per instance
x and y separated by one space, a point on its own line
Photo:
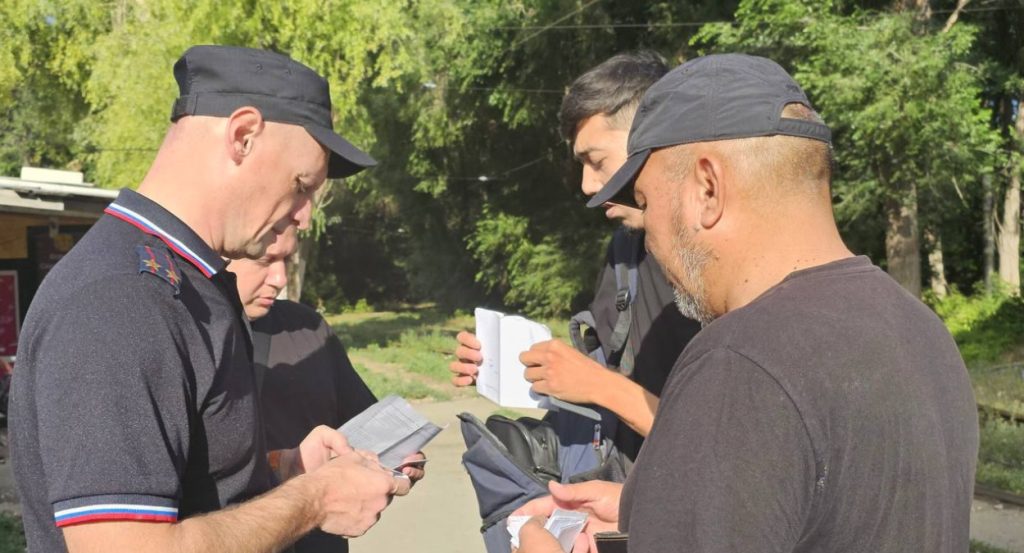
502 338
391 428
563 525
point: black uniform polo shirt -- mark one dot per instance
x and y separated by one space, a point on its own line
134 396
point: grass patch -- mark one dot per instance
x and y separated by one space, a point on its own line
384 384
12 534
982 547
988 329
1001 457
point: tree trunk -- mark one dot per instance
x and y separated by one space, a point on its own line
1009 225
988 224
297 268
903 241
933 239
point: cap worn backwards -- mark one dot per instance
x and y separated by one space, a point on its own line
217 80
717 97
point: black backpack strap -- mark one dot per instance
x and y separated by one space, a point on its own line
576 335
625 256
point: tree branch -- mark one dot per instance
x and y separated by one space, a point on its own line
953 17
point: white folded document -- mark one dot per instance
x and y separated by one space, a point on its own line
563 525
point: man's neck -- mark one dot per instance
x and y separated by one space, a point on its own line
188 204
772 253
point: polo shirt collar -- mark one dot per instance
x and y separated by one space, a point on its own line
149 217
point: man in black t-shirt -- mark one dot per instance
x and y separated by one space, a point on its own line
822 408
595 115
304 376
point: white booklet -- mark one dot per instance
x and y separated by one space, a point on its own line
391 428
502 338
501 380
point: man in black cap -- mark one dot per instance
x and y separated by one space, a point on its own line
134 415
822 408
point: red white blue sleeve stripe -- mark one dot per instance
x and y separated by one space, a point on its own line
99 508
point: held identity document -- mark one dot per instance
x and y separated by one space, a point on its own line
391 428
502 338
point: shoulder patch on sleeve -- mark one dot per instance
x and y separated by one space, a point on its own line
157 261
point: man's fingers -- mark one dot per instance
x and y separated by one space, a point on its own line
400 485
533 374
532 357
469 355
468 339
533 538
570 495
584 544
464 369
333 440
462 381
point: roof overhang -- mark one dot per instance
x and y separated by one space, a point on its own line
43 198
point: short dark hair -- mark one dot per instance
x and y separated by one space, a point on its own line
618 82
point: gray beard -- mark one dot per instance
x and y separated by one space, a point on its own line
693 259
693 308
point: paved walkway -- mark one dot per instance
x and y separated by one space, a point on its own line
440 515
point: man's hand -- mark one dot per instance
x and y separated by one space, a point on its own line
599 499
533 538
558 369
415 470
352 492
321 445
467 360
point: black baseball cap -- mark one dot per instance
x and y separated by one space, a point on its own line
217 80
717 97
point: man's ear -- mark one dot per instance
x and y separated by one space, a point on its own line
711 189
244 125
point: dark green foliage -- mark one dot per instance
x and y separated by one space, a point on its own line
987 327
1001 457
477 198
12 534
982 547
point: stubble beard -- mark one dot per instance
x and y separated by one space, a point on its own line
692 259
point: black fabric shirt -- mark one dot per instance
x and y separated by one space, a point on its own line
658 333
308 380
832 414
134 396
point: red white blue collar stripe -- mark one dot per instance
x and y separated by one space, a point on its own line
149 227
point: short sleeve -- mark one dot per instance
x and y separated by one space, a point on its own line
113 403
728 467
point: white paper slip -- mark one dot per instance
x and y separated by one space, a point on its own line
563 525
502 338
391 428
